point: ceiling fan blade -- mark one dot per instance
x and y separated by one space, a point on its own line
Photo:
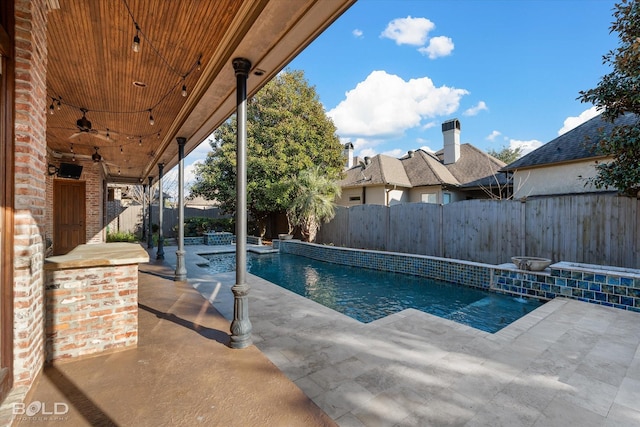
101 136
75 135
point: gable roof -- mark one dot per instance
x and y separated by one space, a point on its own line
578 144
382 170
422 168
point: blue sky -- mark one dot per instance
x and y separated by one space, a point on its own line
389 72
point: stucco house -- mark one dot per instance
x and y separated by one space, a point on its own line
457 172
564 164
75 90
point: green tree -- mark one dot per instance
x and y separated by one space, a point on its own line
313 202
506 154
617 93
287 132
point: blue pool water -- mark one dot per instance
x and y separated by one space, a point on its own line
367 295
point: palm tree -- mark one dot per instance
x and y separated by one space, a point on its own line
313 201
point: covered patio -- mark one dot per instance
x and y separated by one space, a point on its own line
102 92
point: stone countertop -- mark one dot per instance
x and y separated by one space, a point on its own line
98 255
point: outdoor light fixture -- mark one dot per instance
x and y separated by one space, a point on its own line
184 90
96 157
52 169
51 107
151 121
136 40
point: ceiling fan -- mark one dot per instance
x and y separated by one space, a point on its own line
84 127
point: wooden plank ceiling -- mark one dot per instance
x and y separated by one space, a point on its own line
93 70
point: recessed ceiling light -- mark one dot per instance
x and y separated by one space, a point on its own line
258 72
139 84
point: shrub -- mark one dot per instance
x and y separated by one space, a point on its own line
121 236
197 226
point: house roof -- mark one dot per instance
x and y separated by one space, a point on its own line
422 168
381 170
474 164
577 144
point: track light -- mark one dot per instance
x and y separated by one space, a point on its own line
151 121
136 40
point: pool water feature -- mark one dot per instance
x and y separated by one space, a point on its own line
367 295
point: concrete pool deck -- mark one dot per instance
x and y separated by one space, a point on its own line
567 363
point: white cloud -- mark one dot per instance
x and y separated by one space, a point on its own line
427 148
357 33
367 152
572 122
429 125
397 153
411 31
438 47
386 105
473 111
199 153
493 135
525 146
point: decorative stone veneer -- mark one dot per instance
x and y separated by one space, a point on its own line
610 286
91 310
194 241
471 274
226 238
218 238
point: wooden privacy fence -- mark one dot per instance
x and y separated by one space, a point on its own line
129 218
595 229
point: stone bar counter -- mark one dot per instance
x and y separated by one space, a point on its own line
91 298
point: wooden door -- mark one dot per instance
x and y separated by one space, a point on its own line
69 228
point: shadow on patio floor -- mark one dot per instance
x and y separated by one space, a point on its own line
181 373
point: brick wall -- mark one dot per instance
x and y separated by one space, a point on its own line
30 186
91 310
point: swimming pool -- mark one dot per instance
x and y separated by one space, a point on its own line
367 295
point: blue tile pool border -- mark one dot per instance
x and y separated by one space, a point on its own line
603 285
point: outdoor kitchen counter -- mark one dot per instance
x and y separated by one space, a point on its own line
98 255
91 297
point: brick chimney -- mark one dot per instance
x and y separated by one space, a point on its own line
451 136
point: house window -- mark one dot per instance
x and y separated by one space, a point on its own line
354 198
446 198
429 198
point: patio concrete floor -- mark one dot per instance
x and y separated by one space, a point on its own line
567 363
182 373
